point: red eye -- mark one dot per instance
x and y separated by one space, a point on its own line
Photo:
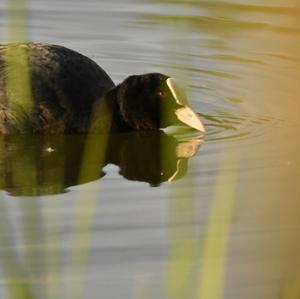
162 93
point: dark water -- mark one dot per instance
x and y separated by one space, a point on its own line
213 219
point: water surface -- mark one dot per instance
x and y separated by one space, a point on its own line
227 224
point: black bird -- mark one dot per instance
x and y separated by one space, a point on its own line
52 89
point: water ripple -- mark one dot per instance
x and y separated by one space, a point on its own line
225 125
215 25
243 7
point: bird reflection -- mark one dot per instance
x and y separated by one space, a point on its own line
43 165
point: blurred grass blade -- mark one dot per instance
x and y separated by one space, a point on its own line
18 81
16 15
183 246
85 210
292 289
215 246
18 91
13 272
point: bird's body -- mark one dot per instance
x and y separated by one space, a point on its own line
64 86
52 89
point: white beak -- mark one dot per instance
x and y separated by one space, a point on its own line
184 114
190 118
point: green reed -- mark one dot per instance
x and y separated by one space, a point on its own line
196 267
216 242
84 213
19 278
14 272
33 266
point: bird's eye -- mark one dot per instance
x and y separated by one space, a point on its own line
162 93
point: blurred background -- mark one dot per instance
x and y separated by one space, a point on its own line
224 222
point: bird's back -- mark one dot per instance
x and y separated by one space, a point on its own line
48 88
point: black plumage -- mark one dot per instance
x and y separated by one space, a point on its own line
70 93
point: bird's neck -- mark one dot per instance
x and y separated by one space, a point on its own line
107 114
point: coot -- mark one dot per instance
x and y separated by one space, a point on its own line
70 93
